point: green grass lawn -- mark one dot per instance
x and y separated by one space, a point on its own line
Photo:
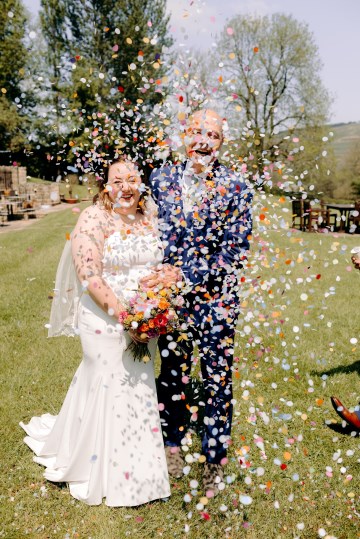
295 348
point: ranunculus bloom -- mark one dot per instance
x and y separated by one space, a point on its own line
161 319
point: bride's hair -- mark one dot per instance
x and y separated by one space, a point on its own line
103 198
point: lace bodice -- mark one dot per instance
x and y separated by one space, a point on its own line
127 258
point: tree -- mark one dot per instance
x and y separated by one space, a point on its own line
190 79
115 48
111 72
268 75
13 57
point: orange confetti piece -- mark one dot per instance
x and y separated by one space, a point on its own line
287 455
319 402
256 49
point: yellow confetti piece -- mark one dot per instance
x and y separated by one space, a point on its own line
287 455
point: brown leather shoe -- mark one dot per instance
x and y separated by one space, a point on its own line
352 418
213 479
175 461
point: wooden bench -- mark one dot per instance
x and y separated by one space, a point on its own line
26 212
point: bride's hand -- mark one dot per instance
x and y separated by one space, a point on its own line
149 281
165 275
135 336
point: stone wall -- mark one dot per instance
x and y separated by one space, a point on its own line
13 178
44 194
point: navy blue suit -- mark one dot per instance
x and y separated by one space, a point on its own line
209 245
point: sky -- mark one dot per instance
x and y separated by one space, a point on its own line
334 24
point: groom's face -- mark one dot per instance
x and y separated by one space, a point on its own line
203 137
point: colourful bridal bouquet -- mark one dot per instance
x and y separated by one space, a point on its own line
150 314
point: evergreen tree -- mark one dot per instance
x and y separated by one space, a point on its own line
109 64
13 57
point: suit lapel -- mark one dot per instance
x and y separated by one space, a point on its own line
174 197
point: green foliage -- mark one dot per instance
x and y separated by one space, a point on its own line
13 57
107 57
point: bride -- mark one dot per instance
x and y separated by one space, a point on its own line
106 441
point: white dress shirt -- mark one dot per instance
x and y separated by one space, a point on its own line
192 186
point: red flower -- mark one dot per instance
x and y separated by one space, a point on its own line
161 320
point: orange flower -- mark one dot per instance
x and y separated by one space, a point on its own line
151 323
144 328
163 304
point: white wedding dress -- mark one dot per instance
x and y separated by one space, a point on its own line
106 441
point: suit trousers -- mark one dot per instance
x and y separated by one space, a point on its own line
215 340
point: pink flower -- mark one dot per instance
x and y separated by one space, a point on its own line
122 316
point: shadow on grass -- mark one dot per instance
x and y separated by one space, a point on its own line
341 369
339 429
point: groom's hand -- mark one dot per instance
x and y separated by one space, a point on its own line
165 275
356 261
150 281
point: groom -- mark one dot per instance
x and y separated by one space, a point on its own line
205 221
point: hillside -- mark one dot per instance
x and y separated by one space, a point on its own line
344 136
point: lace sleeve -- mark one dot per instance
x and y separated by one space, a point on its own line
87 251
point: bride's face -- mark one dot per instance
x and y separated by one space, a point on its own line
123 186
